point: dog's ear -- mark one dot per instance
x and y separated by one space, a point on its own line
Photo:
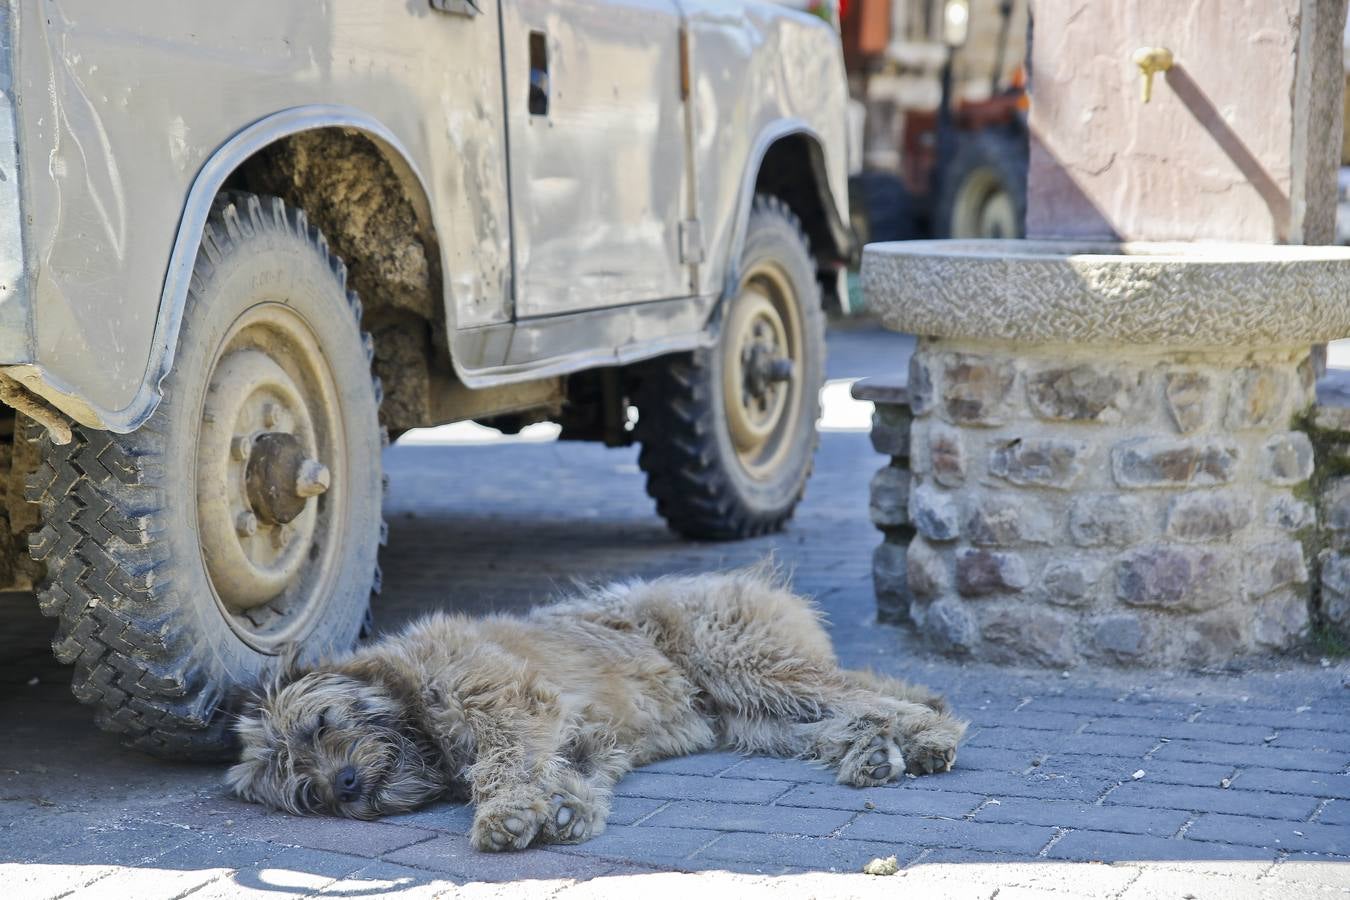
251 706
375 670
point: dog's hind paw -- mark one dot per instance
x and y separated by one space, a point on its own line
873 762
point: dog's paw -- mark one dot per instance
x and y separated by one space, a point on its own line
872 762
933 749
498 827
570 821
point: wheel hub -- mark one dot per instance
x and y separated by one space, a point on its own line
763 338
260 480
280 478
764 368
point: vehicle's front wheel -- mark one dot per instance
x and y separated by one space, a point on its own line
729 433
242 520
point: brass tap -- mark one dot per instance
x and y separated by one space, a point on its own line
1151 61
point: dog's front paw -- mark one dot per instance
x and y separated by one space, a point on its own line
507 826
872 762
571 821
934 749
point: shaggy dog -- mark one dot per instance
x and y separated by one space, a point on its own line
536 718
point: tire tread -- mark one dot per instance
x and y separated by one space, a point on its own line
680 456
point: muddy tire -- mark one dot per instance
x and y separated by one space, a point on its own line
243 518
729 433
882 209
984 189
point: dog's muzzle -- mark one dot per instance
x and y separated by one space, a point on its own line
347 785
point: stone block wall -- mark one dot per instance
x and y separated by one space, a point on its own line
1330 430
1141 506
889 497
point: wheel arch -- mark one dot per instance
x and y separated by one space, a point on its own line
788 161
230 165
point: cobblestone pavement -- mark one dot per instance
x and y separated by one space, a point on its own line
1074 784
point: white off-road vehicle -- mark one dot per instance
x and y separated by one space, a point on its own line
243 244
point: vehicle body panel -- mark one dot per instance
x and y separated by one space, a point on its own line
131 115
16 339
124 104
759 74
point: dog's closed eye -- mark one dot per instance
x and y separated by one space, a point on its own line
321 723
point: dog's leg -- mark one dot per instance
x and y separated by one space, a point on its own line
893 687
568 804
516 729
873 737
867 733
509 814
557 806
545 784
763 659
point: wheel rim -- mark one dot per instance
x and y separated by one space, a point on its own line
761 380
998 219
983 208
271 456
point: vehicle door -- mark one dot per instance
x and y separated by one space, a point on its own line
597 152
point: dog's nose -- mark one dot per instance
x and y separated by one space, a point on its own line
348 785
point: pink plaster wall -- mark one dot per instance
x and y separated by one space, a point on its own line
1211 157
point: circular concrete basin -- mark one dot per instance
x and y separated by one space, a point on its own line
1171 294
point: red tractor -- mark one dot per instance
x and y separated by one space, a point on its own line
943 85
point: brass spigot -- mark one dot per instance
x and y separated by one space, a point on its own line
1151 61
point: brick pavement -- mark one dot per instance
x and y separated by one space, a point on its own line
1245 788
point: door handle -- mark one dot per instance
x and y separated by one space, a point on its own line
538 74
466 8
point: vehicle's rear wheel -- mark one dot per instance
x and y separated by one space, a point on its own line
728 433
984 188
882 209
242 521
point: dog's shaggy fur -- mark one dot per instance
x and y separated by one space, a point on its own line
536 718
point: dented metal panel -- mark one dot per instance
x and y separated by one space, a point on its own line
126 104
759 72
15 278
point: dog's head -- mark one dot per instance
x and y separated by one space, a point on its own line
336 743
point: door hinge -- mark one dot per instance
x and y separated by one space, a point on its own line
457 7
691 242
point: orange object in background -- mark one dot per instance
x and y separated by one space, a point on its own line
866 27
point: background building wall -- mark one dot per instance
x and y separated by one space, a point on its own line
1225 150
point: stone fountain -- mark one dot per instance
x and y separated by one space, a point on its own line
1107 458
1102 451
